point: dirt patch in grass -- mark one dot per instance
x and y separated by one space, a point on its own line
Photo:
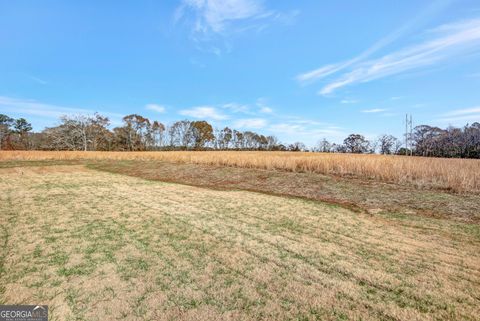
44 169
30 163
98 246
359 195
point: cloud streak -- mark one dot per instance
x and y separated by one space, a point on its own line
215 15
263 107
305 132
465 111
451 40
237 108
213 22
460 116
35 108
349 101
38 80
254 123
440 45
374 110
203 112
156 108
330 69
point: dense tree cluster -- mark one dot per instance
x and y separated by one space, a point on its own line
450 142
14 133
426 140
137 133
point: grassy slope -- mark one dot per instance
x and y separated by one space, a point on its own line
359 195
370 196
99 246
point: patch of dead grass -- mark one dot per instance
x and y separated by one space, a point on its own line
457 175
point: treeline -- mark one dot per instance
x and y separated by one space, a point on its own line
137 133
425 140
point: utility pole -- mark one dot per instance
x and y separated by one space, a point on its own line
408 134
411 135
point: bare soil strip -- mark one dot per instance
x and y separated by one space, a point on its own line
99 246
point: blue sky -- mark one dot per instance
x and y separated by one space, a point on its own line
301 70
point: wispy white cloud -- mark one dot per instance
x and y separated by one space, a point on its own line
420 105
157 108
213 22
374 110
306 133
465 111
38 80
461 116
419 19
252 123
349 101
266 110
286 18
203 112
260 106
451 40
324 71
307 130
390 114
252 113
214 15
263 107
237 108
461 120
303 121
45 110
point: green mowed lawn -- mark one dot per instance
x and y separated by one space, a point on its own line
100 246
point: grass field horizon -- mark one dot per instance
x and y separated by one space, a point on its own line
457 175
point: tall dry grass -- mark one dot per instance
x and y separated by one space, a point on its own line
459 175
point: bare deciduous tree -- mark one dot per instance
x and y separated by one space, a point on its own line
324 146
181 134
388 144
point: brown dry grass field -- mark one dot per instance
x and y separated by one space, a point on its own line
100 239
459 175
